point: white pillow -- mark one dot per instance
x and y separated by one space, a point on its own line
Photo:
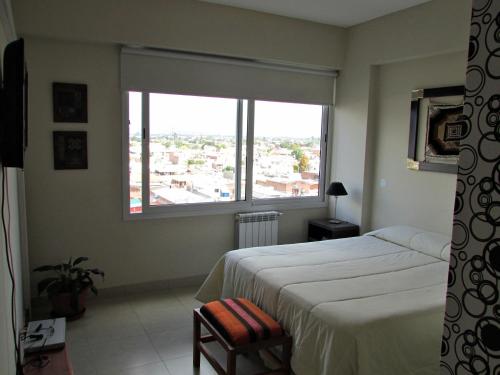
430 243
445 254
433 244
398 234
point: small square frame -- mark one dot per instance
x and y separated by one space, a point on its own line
69 102
70 150
412 161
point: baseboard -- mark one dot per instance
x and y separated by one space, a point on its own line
133 289
151 286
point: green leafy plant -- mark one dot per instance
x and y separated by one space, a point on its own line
68 278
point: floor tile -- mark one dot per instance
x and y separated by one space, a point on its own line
142 334
174 343
245 364
106 348
124 353
190 302
114 331
81 357
189 291
186 296
184 366
84 372
156 321
157 300
149 369
75 333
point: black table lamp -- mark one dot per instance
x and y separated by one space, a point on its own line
336 189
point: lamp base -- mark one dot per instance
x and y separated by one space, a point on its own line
335 221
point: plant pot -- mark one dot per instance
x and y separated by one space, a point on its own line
62 306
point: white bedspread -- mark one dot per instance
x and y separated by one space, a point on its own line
356 306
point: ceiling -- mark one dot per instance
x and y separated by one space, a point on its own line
343 13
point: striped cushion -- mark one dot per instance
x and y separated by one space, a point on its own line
240 321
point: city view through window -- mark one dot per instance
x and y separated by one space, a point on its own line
193 150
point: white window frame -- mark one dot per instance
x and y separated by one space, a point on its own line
215 208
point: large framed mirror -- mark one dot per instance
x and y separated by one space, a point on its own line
437 125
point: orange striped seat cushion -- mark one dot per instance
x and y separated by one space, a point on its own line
240 321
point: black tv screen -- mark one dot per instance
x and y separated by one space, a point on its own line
13 106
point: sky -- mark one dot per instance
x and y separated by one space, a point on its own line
217 116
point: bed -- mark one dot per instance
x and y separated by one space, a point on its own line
372 304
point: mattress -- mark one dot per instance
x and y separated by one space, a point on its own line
364 305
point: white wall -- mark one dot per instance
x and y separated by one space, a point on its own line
79 212
185 25
7 360
424 199
434 28
73 213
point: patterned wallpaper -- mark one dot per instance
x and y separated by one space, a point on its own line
471 337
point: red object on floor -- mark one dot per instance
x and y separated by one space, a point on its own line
58 364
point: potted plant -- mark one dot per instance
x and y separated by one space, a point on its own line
68 288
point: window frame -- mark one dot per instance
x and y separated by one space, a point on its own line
214 208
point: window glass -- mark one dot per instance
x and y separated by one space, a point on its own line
192 149
287 150
135 151
244 118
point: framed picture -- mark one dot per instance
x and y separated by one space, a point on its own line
70 150
437 125
69 102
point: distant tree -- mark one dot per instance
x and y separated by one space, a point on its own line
297 153
195 162
303 163
180 144
229 168
295 168
166 143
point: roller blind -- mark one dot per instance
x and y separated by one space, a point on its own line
192 74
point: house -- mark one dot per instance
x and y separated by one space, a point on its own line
199 110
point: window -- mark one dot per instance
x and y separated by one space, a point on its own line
194 154
208 134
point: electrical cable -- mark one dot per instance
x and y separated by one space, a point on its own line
6 240
9 259
13 296
40 360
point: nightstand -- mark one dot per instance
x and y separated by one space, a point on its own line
321 229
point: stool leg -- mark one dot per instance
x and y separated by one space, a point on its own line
286 356
231 363
196 340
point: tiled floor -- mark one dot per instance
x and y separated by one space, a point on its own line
148 334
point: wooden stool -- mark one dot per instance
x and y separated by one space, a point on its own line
233 350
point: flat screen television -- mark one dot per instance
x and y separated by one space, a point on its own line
13 106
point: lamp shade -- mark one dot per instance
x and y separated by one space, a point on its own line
336 189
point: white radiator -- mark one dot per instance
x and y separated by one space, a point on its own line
257 229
